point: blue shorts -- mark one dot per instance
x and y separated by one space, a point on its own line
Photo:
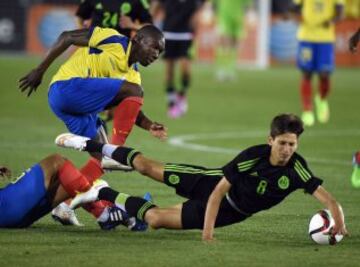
78 101
24 201
316 57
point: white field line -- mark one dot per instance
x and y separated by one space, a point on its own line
188 141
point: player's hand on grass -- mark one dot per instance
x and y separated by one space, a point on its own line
31 81
353 41
207 237
5 172
158 130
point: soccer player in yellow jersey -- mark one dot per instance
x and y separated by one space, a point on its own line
102 73
316 37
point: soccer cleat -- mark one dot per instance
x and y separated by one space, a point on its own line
308 118
70 140
355 176
322 109
65 215
112 217
174 112
90 195
112 165
182 104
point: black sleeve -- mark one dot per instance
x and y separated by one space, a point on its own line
143 11
231 169
85 10
304 177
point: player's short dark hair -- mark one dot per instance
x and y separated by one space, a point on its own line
150 31
286 123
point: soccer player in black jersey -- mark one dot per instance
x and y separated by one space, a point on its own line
122 15
178 28
257 179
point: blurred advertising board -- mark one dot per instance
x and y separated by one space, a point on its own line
45 22
12 32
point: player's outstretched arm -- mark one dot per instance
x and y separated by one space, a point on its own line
336 211
33 79
212 208
353 41
156 129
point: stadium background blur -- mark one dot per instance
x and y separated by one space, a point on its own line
224 117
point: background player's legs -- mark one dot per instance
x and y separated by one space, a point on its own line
185 70
306 98
171 92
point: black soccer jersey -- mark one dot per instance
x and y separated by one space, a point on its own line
106 13
178 14
257 185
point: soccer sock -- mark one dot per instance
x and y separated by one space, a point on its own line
125 115
324 87
305 89
185 82
72 179
134 206
171 95
92 170
124 155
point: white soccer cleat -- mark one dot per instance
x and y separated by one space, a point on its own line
89 196
112 165
65 215
70 140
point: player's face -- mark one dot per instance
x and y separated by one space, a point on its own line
282 148
150 50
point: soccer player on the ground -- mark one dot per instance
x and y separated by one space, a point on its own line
315 54
259 178
41 188
101 74
230 20
178 28
124 16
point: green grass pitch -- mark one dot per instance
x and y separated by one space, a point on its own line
230 116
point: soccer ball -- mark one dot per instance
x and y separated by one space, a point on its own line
319 227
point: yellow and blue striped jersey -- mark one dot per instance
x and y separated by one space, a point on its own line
314 13
105 57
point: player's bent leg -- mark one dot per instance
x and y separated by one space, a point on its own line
169 218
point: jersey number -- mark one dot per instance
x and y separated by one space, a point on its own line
110 20
261 187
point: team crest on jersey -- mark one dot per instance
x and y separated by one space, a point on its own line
283 182
174 179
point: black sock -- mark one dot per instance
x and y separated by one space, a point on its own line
185 83
93 146
125 155
137 207
108 194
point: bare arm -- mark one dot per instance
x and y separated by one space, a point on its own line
33 79
212 208
336 211
156 129
354 40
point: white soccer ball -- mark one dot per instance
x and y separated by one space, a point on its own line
319 227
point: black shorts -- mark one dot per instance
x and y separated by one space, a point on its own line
197 183
177 49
